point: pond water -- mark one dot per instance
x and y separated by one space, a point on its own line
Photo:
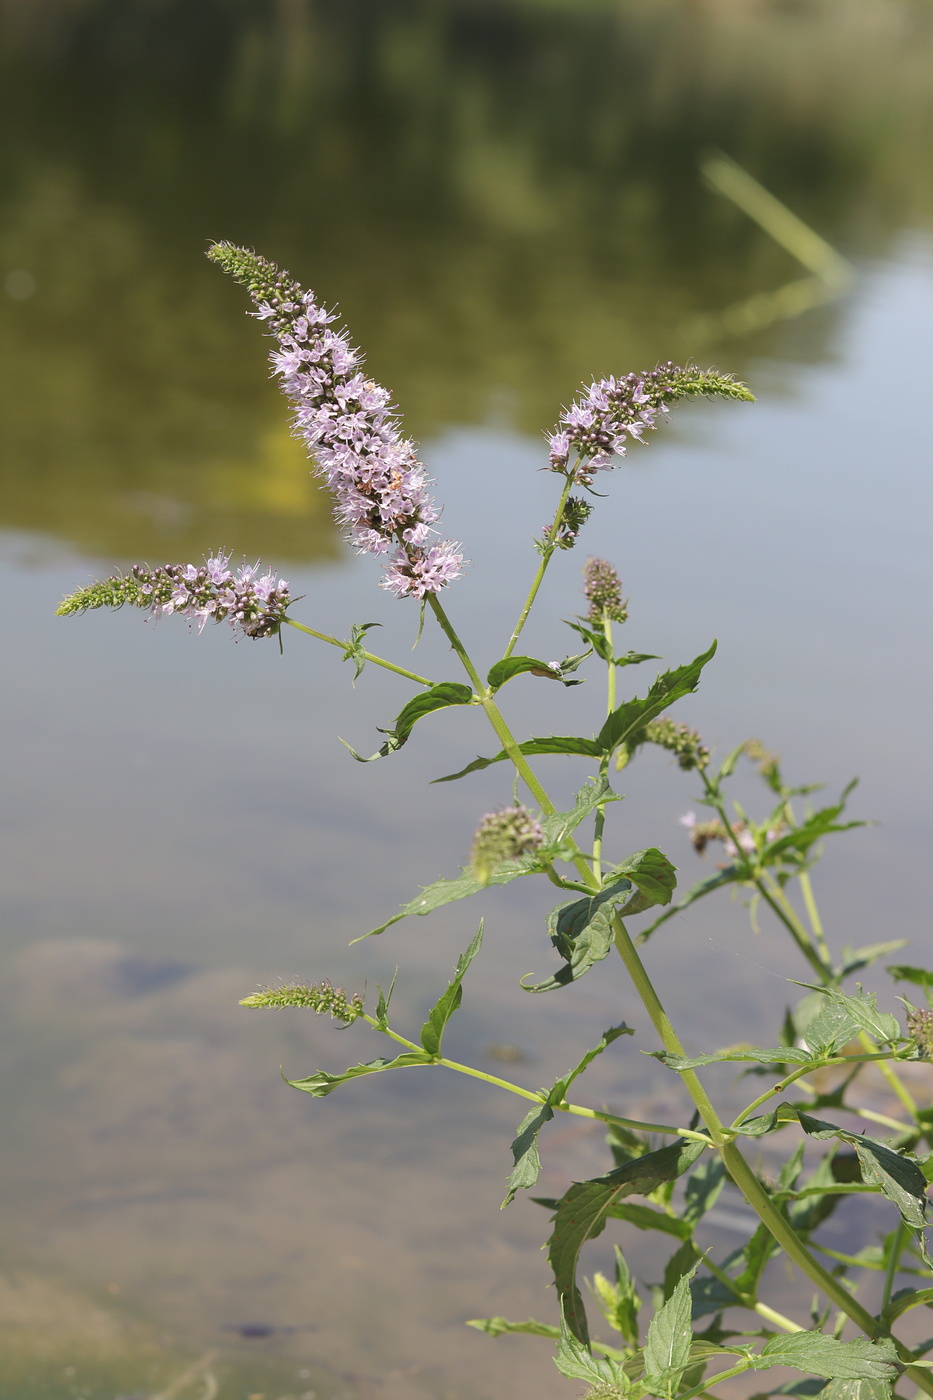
505 199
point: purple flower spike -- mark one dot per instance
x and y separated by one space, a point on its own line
613 412
351 430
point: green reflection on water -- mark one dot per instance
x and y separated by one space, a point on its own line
504 196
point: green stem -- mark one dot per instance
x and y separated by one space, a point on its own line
549 548
742 1174
810 1068
714 1380
367 655
894 1259
762 1309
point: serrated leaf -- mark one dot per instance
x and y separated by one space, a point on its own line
862 1010
443 892
667 1346
556 743
511 666
573 1360
635 714
779 1055
826 1356
527 1162
321 1084
898 1178
594 793
831 1028
755 1256
439 697
654 876
856 1390
583 1210
901 1180
581 931
432 1032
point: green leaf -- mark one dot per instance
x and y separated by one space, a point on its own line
703 1187
900 1179
917 975
439 697
594 793
525 1146
800 839
322 1083
432 1031
467 883
382 1005
779 1055
856 1390
583 1210
525 1156
760 1248
854 959
831 1028
647 1218
354 649
862 1011
581 931
826 1356
619 1302
711 1295
511 666
905 1299
573 1360
654 876
499 1326
589 748
635 714
667 1346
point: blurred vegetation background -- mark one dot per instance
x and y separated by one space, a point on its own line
503 195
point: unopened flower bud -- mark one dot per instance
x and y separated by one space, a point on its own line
319 997
603 587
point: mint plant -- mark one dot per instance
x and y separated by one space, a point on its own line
712 1319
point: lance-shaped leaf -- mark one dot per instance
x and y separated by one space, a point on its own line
467 883
899 1178
594 793
511 666
854 959
527 1162
667 1346
322 1083
556 743
500 1326
603 648
583 1210
432 1032
827 1356
439 697
654 876
573 1360
581 931
779 1055
861 1012
635 714
798 841
856 1390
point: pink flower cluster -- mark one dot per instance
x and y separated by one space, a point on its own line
351 430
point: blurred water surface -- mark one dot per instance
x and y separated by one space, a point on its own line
505 199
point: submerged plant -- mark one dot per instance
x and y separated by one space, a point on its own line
817 1057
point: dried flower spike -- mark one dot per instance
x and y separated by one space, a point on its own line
351 430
